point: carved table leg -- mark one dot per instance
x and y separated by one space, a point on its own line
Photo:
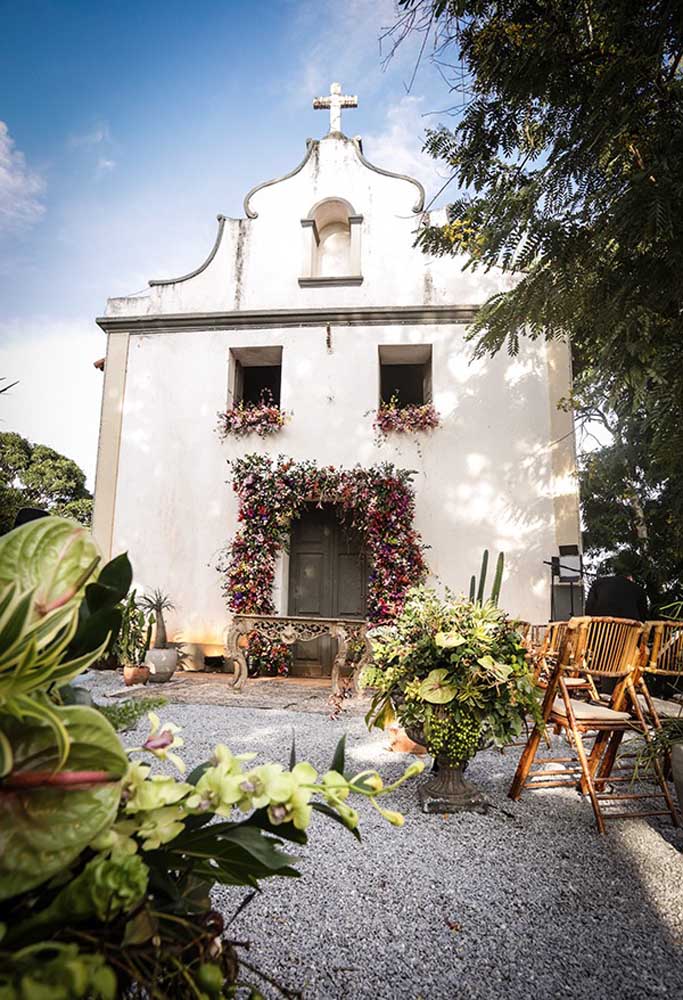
363 662
236 653
339 633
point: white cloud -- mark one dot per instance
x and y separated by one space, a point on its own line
99 133
57 400
398 146
104 165
21 189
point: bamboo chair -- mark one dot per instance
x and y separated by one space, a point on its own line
662 656
607 647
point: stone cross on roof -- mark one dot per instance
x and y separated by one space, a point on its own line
335 102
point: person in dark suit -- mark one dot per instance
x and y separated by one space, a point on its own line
618 596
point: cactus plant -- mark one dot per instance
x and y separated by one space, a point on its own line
497 580
135 634
158 602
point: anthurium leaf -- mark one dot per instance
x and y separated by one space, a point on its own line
53 554
436 688
44 828
113 583
449 640
386 716
94 629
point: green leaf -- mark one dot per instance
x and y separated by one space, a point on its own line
326 810
339 755
54 555
449 640
292 752
436 689
116 577
45 828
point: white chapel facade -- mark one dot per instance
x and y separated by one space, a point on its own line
319 295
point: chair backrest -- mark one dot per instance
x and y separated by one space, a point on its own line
663 648
554 637
603 646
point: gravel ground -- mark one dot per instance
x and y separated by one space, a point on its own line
526 901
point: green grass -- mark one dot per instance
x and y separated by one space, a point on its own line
127 714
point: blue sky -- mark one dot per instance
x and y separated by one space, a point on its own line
126 127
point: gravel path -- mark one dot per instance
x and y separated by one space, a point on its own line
525 902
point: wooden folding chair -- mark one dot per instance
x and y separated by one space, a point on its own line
607 647
661 656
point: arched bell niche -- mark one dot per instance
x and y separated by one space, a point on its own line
332 244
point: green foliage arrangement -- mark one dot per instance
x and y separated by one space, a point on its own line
33 475
125 715
453 671
106 867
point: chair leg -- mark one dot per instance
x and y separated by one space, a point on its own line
587 777
661 780
601 767
525 763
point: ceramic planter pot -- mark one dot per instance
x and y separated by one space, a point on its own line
135 674
162 664
677 770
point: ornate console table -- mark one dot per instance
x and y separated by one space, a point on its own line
291 630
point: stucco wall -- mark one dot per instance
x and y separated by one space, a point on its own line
498 473
484 478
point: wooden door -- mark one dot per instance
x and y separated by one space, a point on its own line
327 579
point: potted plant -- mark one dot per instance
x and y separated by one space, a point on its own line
161 659
665 747
456 675
132 642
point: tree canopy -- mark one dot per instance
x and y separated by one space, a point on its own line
565 156
33 475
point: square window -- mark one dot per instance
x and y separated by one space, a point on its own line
405 373
256 375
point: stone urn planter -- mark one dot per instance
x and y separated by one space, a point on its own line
161 659
677 771
161 664
447 790
135 674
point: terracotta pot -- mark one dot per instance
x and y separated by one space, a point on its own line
400 742
133 674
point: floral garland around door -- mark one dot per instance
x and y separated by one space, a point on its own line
378 501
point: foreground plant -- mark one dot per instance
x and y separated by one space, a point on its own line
107 867
456 674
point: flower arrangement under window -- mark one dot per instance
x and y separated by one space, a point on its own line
262 418
379 502
392 418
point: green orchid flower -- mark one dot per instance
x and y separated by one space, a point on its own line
161 826
162 739
141 792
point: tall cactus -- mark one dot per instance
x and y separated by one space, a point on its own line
482 576
497 580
